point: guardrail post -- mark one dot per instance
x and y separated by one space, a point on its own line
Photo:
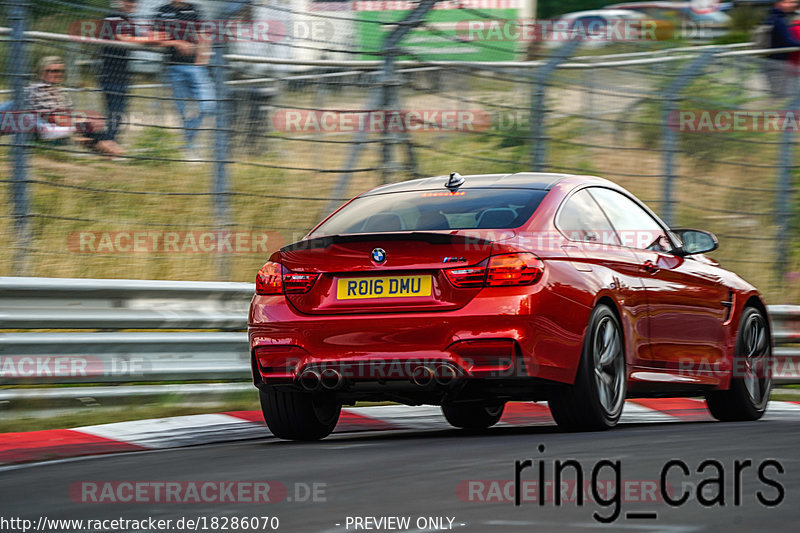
20 70
539 78
670 136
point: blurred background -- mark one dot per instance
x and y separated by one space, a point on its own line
268 163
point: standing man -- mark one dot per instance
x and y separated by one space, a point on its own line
781 72
114 75
178 25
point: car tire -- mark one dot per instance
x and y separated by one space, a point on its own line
748 394
595 400
299 416
473 415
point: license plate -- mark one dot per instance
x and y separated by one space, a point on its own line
388 287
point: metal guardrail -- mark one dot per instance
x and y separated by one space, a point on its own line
105 351
786 336
65 303
56 398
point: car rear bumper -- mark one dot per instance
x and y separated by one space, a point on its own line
500 335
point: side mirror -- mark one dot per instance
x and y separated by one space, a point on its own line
695 241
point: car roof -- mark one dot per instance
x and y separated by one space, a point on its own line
520 180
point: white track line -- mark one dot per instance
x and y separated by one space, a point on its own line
633 413
179 431
782 410
419 417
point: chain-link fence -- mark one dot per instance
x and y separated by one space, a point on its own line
274 113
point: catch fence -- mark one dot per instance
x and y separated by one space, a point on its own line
302 124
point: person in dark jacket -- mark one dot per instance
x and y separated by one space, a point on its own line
781 72
114 74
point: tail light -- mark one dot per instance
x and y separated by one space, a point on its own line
274 279
513 269
268 279
506 270
465 277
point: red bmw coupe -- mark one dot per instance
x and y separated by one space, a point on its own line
472 291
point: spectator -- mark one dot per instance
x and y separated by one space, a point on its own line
56 118
187 56
781 71
114 75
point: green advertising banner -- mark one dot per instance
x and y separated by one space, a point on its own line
453 30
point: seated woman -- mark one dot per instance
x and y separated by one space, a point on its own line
56 118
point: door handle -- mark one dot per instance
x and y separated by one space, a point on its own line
650 267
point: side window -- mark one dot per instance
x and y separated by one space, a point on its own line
635 227
581 219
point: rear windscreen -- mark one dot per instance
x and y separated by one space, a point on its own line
434 210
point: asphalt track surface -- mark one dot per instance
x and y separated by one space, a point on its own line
421 474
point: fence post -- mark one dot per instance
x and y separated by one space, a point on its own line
381 97
784 195
221 153
389 100
670 136
20 70
389 106
339 190
539 77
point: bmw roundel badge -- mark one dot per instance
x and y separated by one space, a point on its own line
379 255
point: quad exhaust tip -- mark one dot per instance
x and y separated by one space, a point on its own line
445 376
310 380
331 379
423 376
